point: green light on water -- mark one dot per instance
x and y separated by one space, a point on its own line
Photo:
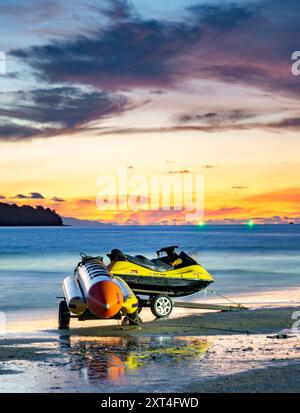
202 224
250 223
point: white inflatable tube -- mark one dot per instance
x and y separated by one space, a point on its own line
73 295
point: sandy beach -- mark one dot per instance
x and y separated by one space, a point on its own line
194 351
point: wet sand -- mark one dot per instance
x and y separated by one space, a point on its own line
245 351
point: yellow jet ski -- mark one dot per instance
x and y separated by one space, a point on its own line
168 275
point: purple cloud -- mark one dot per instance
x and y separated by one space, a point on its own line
249 43
57 110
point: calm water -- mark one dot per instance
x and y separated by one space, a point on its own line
33 261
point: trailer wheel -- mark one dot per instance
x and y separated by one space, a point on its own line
63 316
161 306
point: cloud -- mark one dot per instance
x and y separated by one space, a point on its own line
227 42
239 187
86 201
57 110
13 131
119 10
249 43
291 123
32 195
21 196
36 195
209 166
2 197
57 199
182 171
158 92
215 119
38 12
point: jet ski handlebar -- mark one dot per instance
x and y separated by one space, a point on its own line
168 250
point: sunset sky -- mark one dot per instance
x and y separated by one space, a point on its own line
156 87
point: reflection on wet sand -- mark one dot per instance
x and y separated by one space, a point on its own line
111 360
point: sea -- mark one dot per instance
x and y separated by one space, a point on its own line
242 259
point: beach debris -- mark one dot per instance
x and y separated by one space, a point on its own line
248 349
280 336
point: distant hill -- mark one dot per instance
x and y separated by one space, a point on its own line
75 222
13 215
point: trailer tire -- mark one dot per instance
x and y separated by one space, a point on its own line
63 316
161 306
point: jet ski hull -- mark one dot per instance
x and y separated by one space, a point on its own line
174 287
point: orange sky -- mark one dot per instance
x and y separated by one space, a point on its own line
245 176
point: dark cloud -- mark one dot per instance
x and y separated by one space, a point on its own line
213 118
222 16
209 166
130 51
2 197
36 195
13 131
56 111
133 53
118 10
239 187
57 199
249 43
21 196
32 195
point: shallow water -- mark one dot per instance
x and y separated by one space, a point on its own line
155 363
103 364
33 261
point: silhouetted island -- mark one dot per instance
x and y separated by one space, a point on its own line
13 215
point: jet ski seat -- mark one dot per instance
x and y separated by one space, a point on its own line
140 260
